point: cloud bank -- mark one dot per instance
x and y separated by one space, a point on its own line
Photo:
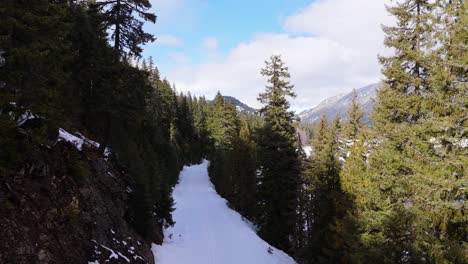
330 46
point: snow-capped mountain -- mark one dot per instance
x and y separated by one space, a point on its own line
339 104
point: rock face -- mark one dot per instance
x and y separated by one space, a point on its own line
339 104
68 206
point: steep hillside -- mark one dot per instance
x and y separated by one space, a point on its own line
338 105
67 203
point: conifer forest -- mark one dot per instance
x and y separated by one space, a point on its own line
93 139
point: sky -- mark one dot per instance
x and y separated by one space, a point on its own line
330 46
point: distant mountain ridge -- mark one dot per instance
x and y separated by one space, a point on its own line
240 106
339 104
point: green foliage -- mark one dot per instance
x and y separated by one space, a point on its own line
238 181
354 124
32 39
278 159
222 123
128 33
391 194
413 178
58 65
325 199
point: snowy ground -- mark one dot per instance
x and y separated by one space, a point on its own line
207 231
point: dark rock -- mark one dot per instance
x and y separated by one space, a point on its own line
49 215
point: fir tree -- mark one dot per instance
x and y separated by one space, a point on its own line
128 32
353 125
415 223
278 158
239 173
35 56
322 179
222 123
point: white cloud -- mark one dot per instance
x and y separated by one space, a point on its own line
210 44
166 7
168 40
339 55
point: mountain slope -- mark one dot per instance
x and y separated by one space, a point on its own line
339 104
207 231
240 106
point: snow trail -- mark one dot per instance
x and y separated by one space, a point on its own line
207 231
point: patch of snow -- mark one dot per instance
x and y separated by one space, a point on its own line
93 262
25 117
462 143
88 141
308 150
79 140
207 231
107 152
114 254
68 137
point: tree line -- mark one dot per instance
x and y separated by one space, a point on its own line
71 64
391 193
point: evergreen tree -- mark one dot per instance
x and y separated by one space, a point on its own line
222 126
278 158
239 173
353 125
36 53
128 32
222 123
325 242
407 70
414 173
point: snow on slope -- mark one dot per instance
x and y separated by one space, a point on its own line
338 105
207 231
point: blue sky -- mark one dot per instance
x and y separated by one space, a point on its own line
226 20
208 45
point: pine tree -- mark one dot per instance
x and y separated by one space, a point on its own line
414 176
128 32
222 123
355 185
239 173
324 244
407 70
353 125
278 158
35 56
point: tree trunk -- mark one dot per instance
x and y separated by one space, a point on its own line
117 30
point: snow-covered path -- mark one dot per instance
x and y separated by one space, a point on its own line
207 231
